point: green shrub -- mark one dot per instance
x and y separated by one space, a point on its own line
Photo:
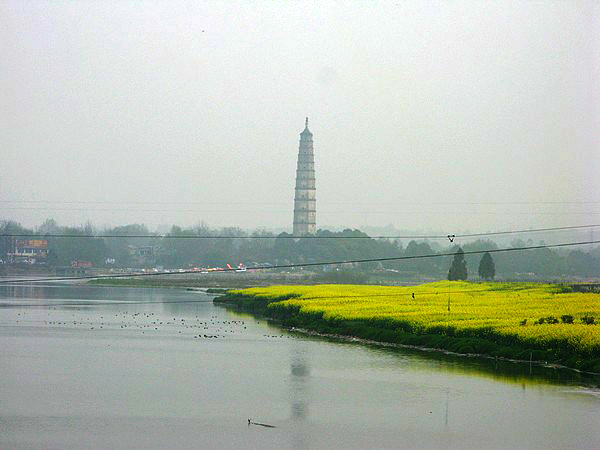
588 320
566 318
548 320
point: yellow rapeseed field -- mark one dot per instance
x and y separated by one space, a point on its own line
456 308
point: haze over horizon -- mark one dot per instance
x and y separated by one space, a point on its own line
426 115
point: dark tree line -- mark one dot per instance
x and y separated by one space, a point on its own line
202 246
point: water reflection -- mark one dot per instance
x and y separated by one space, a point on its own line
299 382
299 392
499 370
446 410
506 371
24 291
61 295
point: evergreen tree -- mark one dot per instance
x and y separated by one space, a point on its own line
487 268
458 268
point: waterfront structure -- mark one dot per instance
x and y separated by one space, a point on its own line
305 201
30 251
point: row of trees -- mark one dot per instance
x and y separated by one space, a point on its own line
201 246
458 268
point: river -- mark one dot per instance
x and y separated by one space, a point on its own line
102 367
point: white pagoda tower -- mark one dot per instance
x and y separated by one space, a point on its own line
305 200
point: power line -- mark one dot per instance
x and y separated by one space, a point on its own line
289 266
538 230
289 236
137 202
286 211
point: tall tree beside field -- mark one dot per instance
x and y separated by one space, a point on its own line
458 268
487 268
480 245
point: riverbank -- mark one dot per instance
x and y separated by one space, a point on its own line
183 283
229 279
543 324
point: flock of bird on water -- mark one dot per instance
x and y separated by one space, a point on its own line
147 321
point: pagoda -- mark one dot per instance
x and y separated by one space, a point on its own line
305 201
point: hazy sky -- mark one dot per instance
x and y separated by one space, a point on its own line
426 115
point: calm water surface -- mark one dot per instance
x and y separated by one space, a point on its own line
101 367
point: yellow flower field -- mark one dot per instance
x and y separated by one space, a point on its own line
488 310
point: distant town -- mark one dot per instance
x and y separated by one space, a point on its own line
59 250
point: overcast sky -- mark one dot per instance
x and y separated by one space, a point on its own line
426 115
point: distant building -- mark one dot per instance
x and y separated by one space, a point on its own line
30 251
305 200
144 255
78 264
